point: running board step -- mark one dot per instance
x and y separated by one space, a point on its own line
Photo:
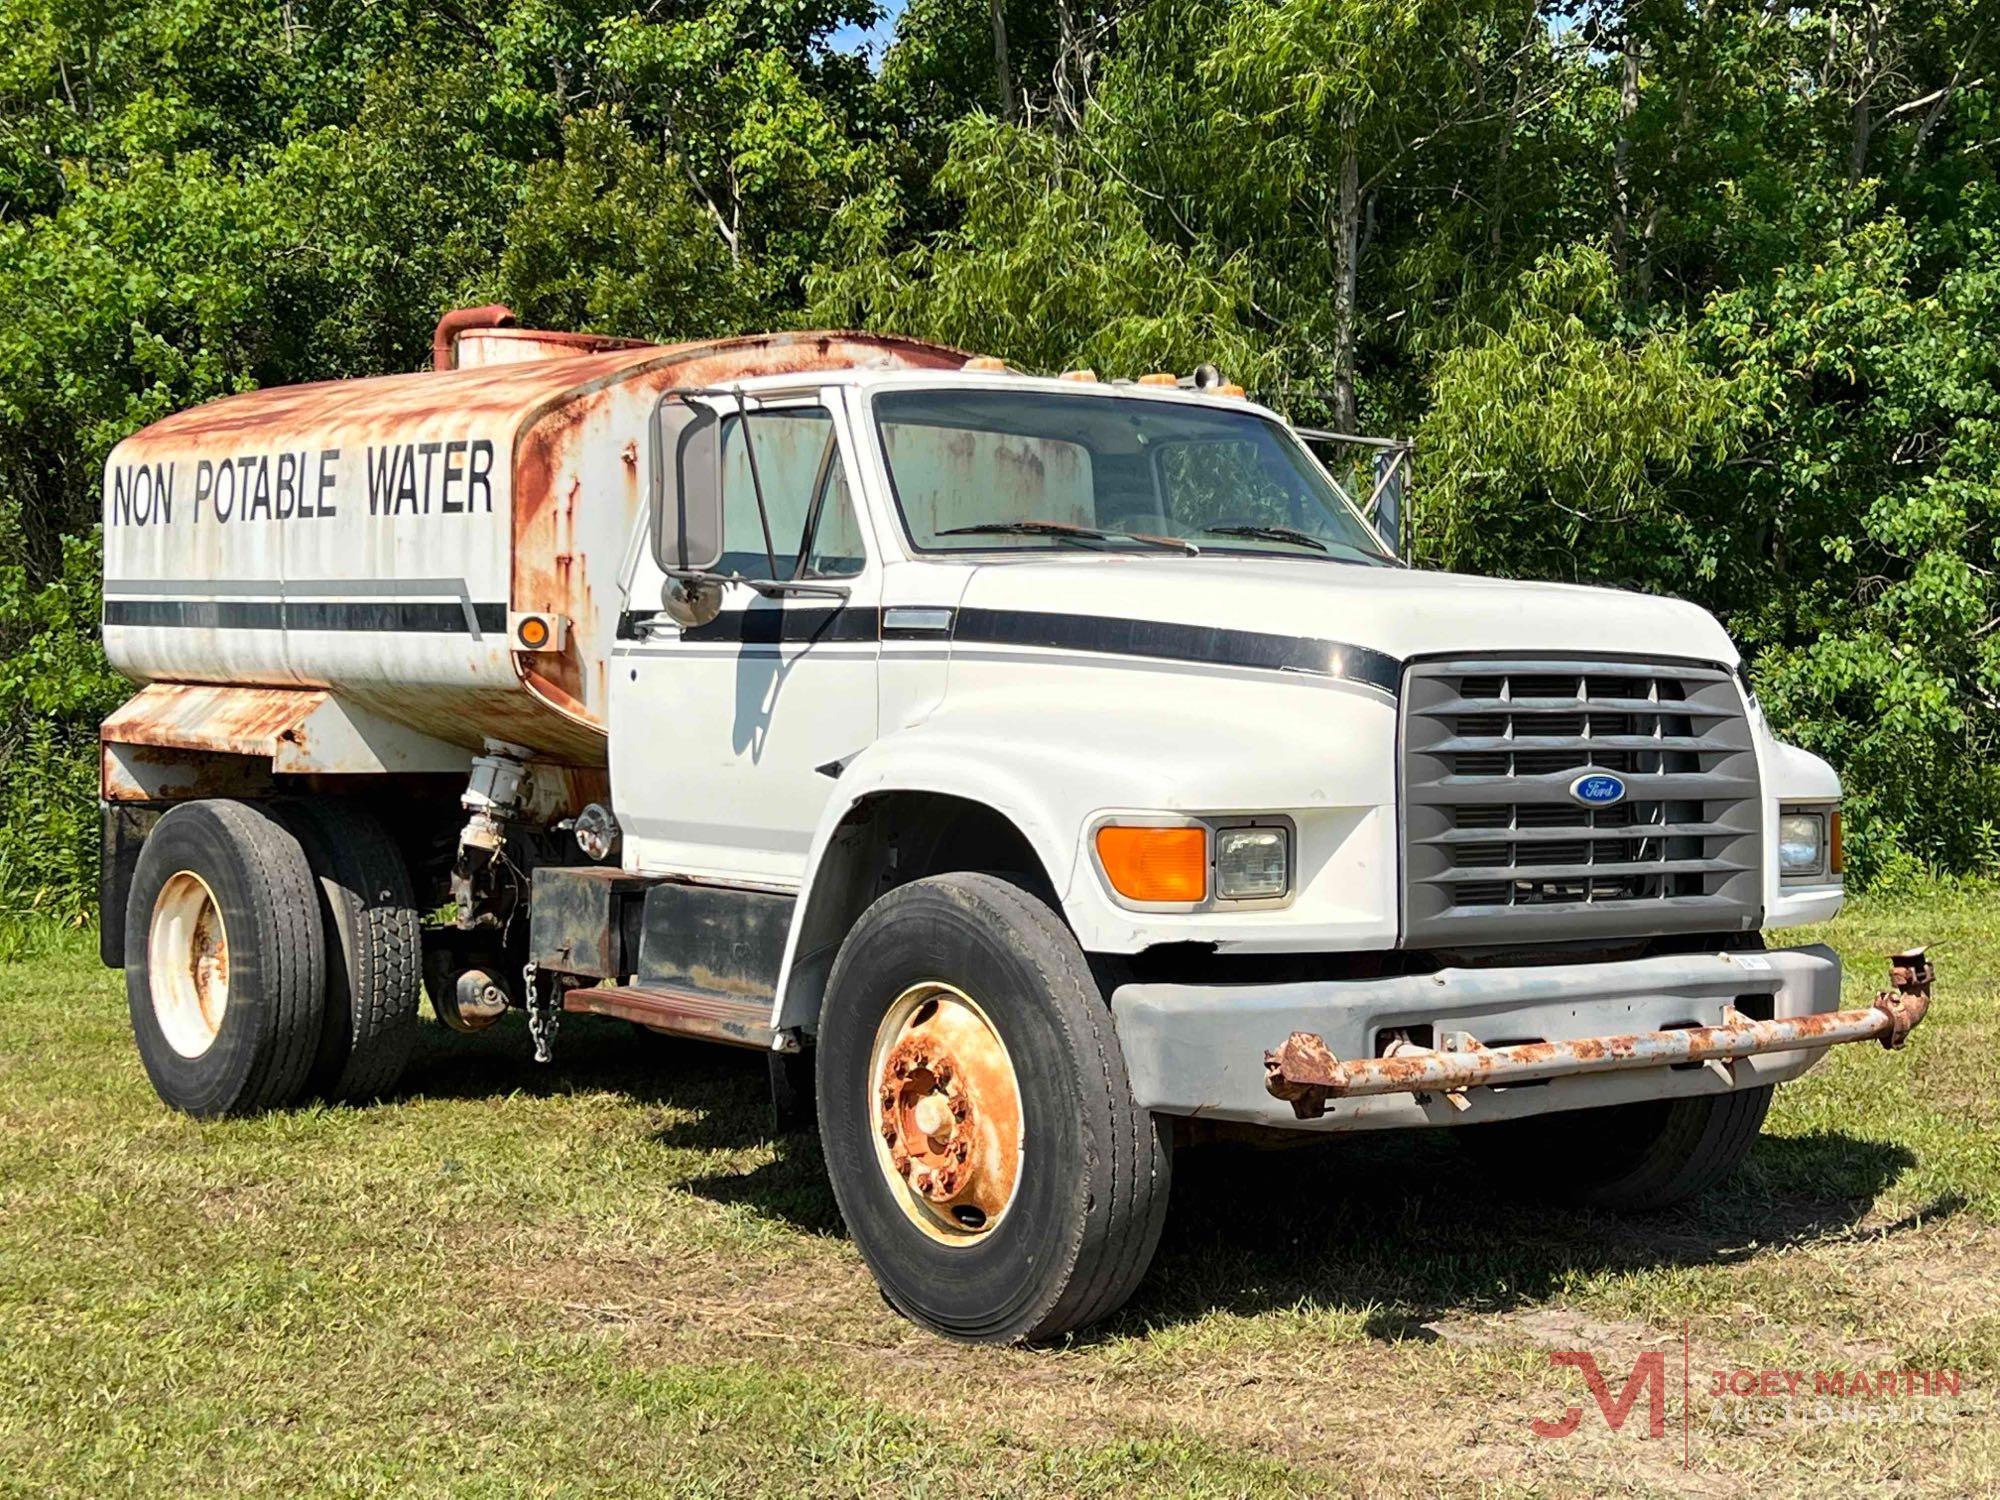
739 1023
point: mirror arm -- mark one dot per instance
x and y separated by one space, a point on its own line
769 588
778 588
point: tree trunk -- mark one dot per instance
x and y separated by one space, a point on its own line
1495 213
1069 45
1621 152
1000 68
1346 267
1864 114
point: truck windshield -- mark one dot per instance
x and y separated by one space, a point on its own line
992 470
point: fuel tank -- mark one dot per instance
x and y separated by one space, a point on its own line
373 539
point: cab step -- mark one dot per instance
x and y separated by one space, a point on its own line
739 1023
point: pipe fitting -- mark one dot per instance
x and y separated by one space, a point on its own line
444 342
1908 999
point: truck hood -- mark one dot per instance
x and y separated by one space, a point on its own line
1399 611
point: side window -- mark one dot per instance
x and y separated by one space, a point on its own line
798 465
836 549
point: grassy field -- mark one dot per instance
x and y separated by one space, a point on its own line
605 1277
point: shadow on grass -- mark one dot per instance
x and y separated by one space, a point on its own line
720 1098
1404 1226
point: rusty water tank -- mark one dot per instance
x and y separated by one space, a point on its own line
371 538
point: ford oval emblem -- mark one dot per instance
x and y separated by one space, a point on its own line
1598 789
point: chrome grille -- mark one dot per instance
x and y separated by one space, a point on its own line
1497 850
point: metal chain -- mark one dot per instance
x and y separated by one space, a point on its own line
543 1015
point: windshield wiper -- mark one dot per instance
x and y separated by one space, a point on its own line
1269 534
1064 531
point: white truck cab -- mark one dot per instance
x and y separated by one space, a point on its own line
1033 767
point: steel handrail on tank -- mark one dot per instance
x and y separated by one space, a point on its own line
1305 1072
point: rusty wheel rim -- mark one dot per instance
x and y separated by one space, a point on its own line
947 1110
187 960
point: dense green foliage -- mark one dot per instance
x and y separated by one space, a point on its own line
1693 298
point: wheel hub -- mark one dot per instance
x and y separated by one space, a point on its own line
188 964
927 1119
948 1111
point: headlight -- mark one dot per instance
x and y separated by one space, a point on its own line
1252 864
1802 844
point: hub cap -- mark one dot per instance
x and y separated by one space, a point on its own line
947 1109
187 955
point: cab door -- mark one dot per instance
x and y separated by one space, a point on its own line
726 737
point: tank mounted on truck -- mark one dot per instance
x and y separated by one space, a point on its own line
1032 769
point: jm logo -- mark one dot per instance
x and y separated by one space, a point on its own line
1649 1375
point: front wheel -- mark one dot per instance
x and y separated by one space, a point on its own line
981 1136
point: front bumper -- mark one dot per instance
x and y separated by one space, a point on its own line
1199 1050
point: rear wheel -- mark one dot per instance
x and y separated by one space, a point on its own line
1626 1157
224 974
982 1139
374 961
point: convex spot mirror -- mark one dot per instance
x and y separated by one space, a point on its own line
689 602
687 487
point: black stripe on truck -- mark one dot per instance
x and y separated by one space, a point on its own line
1165 640
413 616
1097 635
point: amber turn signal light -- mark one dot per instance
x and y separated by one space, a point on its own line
1836 856
1155 864
538 631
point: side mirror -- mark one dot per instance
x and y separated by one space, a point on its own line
687 488
1392 473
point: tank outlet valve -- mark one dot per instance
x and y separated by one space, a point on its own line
493 795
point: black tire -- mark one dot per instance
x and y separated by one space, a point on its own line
1085 1218
1630 1158
260 883
374 950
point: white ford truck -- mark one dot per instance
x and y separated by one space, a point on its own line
1033 768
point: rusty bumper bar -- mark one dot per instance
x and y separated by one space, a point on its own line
1305 1072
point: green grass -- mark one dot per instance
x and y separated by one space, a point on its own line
606 1278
